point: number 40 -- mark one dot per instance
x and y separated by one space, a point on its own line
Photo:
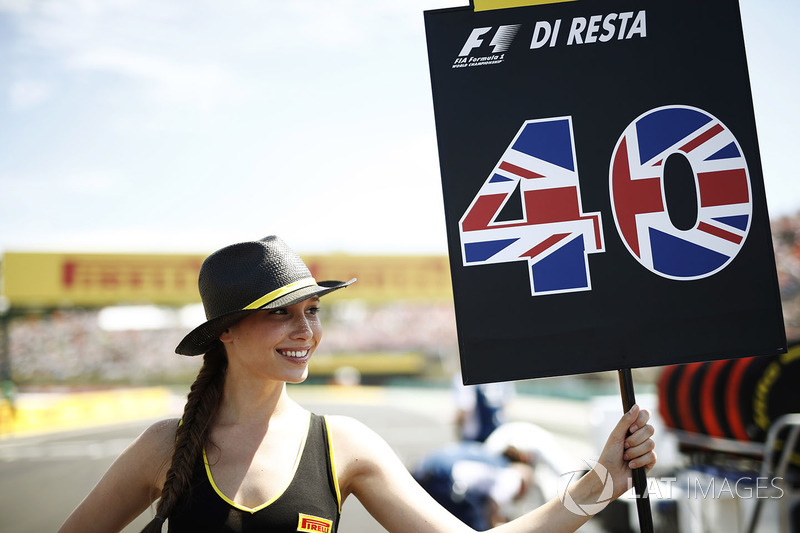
529 208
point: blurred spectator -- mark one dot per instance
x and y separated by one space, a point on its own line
474 483
480 409
786 242
9 396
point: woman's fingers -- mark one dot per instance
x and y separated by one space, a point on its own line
635 434
639 445
648 461
639 436
626 422
639 448
642 419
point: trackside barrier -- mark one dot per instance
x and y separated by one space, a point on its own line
46 412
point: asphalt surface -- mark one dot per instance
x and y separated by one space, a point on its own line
43 477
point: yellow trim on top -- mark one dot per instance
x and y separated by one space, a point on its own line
486 5
333 465
277 293
253 510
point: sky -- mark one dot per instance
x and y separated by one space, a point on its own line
175 126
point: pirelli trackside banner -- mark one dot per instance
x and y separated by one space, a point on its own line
66 279
602 184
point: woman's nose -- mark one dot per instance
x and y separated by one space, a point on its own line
302 328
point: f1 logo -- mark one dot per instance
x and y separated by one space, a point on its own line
502 39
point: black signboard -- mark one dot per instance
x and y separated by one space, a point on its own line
602 183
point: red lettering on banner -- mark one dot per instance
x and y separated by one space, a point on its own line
68 274
116 275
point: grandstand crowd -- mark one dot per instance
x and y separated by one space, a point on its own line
69 345
786 242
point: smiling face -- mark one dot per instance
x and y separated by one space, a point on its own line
275 344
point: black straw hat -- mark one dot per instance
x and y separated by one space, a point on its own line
242 278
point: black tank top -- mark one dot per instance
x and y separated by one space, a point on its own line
311 502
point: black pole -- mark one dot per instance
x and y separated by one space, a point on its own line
639 474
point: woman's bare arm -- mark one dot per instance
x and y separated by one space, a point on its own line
370 470
129 486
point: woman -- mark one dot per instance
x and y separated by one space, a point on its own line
245 457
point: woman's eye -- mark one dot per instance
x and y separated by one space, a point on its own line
312 310
279 311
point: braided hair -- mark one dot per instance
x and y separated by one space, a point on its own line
192 435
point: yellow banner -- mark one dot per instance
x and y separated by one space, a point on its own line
385 277
368 363
486 5
57 412
64 279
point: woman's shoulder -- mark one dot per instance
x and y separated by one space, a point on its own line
354 440
150 454
162 429
347 427
158 439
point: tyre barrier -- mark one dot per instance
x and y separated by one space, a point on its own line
736 399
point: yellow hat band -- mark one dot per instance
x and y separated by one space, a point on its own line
277 293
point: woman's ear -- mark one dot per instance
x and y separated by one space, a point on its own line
226 336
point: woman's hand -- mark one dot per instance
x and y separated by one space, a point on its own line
630 445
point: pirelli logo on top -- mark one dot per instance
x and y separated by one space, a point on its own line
313 524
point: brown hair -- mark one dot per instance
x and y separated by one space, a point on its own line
192 435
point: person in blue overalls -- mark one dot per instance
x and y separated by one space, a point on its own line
473 482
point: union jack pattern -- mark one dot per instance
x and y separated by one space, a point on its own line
723 192
552 233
